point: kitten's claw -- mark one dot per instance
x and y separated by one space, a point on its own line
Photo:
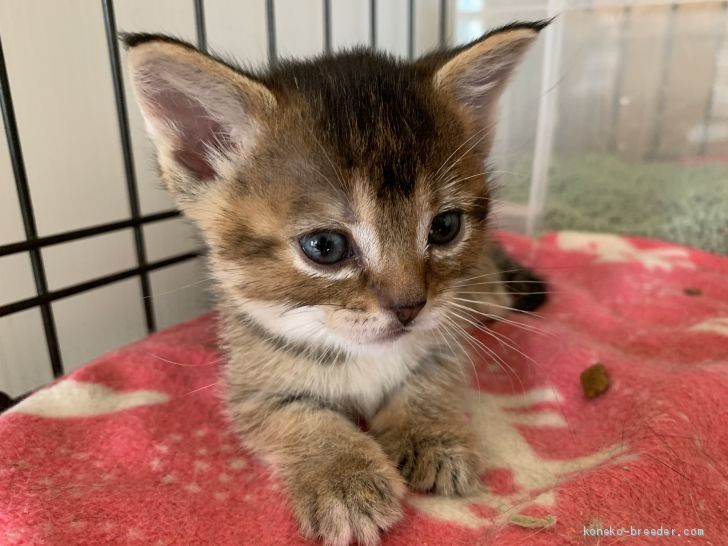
351 500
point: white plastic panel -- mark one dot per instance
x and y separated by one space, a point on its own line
169 17
64 103
78 261
169 238
180 292
95 322
24 366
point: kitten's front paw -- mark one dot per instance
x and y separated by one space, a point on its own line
437 462
352 499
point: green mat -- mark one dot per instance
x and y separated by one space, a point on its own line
684 203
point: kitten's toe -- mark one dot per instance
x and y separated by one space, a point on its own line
444 464
353 501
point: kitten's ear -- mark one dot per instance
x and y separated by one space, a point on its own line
202 115
476 74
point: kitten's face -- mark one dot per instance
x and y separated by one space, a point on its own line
343 200
333 236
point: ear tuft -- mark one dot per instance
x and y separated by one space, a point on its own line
133 39
476 74
201 114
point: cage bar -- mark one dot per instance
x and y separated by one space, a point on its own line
373 23
270 19
443 23
47 297
200 25
125 137
77 234
546 124
327 25
411 29
28 215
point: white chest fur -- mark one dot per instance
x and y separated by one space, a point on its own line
363 382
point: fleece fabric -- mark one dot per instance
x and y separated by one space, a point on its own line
133 448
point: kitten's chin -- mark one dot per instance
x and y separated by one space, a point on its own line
384 338
392 336
358 341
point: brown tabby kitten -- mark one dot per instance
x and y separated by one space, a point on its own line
345 207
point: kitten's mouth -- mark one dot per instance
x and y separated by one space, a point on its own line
378 337
389 335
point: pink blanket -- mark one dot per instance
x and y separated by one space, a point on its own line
132 449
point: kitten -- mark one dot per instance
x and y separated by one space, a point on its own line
345 207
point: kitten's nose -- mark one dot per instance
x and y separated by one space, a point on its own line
407 313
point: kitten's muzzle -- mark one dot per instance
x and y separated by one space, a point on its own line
407 313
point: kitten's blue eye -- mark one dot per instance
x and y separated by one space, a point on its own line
444 228
325 247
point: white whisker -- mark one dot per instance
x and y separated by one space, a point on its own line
497 318
507 308
476 343
472 364
508 343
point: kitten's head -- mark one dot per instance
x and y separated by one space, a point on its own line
344 198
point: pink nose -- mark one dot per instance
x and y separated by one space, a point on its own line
407 313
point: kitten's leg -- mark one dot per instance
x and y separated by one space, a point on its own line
342 486
423 430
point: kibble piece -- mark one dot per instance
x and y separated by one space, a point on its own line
692 291
594 380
